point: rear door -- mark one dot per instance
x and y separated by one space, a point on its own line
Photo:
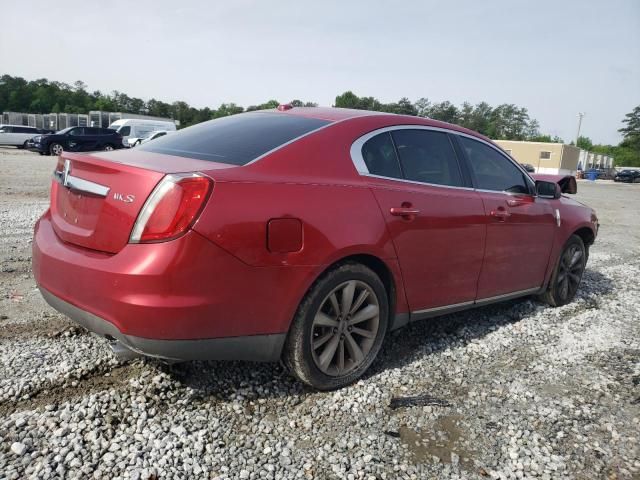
92 139
435 219
520 225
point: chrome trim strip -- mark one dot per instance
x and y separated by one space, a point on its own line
415 182
507 296
479 302
80 184
444 307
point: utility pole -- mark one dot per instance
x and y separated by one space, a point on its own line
580 115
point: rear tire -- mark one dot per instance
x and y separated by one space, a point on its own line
338 329
108 147
567 274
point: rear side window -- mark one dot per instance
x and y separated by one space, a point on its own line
380 157
428 157
492 170
237 139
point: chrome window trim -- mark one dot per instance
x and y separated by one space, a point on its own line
415 182
361 167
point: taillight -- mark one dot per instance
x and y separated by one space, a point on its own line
172 207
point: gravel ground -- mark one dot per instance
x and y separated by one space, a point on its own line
519 390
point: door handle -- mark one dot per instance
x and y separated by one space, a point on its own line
501 214
403 211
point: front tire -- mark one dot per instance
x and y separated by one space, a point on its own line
339 328
567 275
108 147
55 149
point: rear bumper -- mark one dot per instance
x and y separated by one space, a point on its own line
258 348
183 299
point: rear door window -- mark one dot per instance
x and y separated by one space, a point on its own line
428 157
236 139
380 157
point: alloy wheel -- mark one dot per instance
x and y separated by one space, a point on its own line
345 327
56 149
570 272
108 148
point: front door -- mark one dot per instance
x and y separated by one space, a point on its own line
520 225
437 225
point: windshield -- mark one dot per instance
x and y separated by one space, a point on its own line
63 131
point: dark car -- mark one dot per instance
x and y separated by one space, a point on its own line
528 167
76 139
628 176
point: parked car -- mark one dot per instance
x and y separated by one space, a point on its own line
137 128
301 234
76 139
528 167
628 176
600 173
134 142
17 135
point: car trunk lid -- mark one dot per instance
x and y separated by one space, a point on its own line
95 200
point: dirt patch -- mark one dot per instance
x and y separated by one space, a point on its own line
445 443
72 389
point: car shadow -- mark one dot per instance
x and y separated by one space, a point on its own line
456 330
237 381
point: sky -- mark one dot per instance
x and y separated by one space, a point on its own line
556 58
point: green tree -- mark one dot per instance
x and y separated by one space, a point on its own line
584 143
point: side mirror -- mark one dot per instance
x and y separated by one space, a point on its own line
568 185
548 189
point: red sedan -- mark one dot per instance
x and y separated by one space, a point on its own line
302 234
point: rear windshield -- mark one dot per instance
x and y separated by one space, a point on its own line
236 139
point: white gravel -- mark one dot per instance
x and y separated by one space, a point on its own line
534 392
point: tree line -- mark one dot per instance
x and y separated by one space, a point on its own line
43 96
504 122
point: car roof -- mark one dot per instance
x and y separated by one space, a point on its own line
12 125
334 115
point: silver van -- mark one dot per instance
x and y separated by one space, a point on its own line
17 135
